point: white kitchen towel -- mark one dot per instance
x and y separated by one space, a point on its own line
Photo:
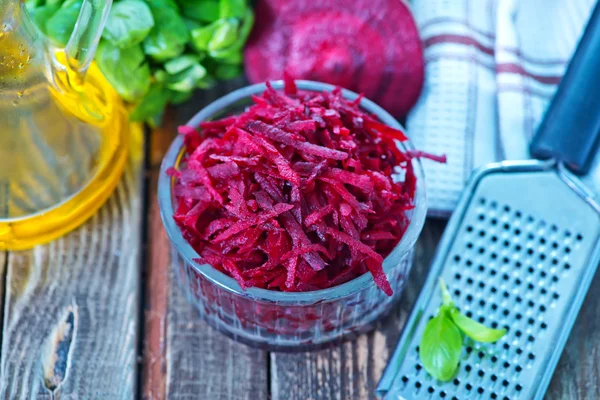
492 67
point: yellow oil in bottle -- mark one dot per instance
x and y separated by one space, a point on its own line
63 144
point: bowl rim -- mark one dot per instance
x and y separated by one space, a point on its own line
218 278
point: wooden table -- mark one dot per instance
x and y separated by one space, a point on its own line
98 315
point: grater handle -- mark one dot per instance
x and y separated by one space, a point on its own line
570 130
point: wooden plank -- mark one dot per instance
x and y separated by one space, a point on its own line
352 370
577 375
70 323
183 357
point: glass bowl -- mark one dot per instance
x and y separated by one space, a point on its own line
282 320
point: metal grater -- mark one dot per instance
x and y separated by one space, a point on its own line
519 252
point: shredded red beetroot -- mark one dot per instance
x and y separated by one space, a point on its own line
296 193
368 46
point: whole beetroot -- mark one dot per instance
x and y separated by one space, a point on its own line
368 46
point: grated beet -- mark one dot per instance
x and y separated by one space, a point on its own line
296 193
368 46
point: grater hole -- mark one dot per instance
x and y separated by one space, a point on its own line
494 307
456 382
469 245
481 217
530 339
418 385
506 364
480 354
494 221
555 278
505 313
405 379
482 200
469 228
494 396
530 236
469 314
418 367
554 261
494 359
493 204
518 368
543 325
567 250
494 325
480 373
518 247
518 333
579 237
543 308
555 245
518 316
529 219
468 386
518 264
430 389
530 270
506 227
531 356
505 383
517 282
482 250
555 296
518 387
494 239
554 228
506 346
542 257
506 295
481 233
494 256
443 394
567 266
482 303
543 291
481 268
480 390
468 368
543 274
494 378
519 351
457 276
457 258
505 260
469 263
481 285
517 231
518 214
530 286
457 293
469 350
530 321
542 241
506 209
506 243
568 233
530 251
519 299
493 272
469 298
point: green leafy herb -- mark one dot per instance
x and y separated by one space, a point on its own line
128 23
126 69
60 25
155 52
168 37
442 340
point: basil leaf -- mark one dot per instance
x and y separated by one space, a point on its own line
152 104
168 37
441 346
60 26
234 48
224 35
475 330
180 97
232 8
126 69
181 63
187 80
228 71
40 15
200 10
202 36
128 23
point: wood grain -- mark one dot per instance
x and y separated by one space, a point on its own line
184 358
70 323
351 371
577 375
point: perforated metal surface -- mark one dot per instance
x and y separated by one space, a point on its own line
519 254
